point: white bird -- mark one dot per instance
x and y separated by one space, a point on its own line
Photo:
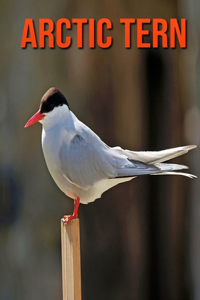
81 164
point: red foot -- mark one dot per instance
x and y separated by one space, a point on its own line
66 219
75 213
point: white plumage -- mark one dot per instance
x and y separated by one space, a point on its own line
81 164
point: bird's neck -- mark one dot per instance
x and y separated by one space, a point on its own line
59 117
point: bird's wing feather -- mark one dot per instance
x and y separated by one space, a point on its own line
87 160
136 168
83 163
177 173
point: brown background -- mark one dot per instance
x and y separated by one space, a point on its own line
141 240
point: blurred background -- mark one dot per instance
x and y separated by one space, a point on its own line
141 240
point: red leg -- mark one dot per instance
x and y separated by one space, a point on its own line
75 213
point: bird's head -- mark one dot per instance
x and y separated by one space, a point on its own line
52 106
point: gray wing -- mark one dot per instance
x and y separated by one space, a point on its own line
84 162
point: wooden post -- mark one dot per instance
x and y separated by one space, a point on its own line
71 267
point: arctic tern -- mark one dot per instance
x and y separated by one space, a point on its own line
81 164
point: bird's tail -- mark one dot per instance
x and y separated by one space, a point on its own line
152 157
155 158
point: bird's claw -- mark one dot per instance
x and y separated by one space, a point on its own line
67 219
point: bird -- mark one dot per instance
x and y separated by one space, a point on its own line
82 165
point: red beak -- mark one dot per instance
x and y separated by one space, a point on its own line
35 118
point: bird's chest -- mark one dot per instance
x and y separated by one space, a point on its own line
52 141
51 145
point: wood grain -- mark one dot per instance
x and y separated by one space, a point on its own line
71 266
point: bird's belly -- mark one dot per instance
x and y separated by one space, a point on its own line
65 186
99 188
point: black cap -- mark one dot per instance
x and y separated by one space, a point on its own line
52 98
